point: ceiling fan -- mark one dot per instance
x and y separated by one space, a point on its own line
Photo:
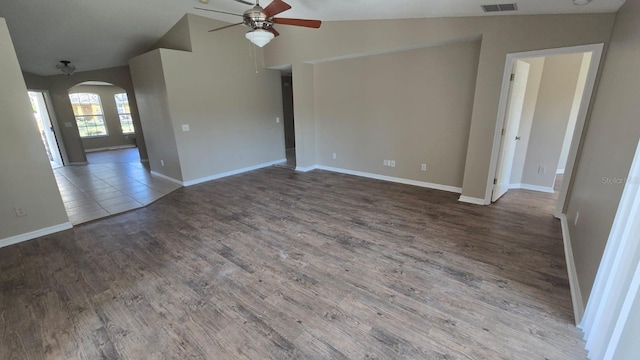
261 20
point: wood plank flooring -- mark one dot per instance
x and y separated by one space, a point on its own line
275 264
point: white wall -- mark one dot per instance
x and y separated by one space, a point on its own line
26 179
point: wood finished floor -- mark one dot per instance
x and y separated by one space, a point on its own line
275 264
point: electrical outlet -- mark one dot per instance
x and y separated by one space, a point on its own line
277 120
542 170
185 127
424 167
20 212
575 222
392 163
335 156
385 163
162 162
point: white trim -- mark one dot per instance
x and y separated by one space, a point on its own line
232 172
306 169
35 234
108 148
472 200
545 189
560 172
604 317
162 176
392 179
80 163
596 50
576 295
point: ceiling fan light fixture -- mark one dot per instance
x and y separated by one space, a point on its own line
66 68
260 37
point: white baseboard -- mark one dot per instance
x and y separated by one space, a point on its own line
560 172
117 147
35 234
392 179
162 176
81 163
576 295
232 172
472 200
544 189
306 169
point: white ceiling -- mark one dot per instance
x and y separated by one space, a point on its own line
95 34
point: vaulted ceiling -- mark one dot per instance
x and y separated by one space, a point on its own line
100 34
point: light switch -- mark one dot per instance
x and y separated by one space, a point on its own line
277 120
185 127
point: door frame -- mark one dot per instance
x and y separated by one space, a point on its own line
54 122
596 51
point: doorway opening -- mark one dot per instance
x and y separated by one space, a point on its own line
543 106
46 128
288 118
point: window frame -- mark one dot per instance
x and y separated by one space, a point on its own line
128 105
100 115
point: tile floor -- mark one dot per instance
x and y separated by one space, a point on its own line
106 188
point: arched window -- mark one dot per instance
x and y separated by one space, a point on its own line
122 103
89 116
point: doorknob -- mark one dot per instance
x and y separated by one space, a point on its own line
518 138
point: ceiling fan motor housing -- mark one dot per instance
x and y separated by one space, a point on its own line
256 18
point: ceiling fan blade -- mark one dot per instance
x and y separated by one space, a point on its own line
224 27
216 11
275 8
246 2
299 22
273 31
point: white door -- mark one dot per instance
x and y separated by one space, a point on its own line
510 128
41 114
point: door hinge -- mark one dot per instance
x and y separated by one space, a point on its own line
513 77
504 131
495 181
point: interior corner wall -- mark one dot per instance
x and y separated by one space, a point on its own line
115 137
500 35
536 67
58 87
412 107
609 143
151 91
229 103
177 38
553 109
26 179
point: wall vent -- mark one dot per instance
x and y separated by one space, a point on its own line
500 7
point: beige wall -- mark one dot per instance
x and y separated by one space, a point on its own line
500 35
608 147
230 107
536 66
178 38
26 179
412 107
115 136
58 87
553 109
573 117
151 91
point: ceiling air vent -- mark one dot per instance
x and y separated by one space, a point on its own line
500 7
